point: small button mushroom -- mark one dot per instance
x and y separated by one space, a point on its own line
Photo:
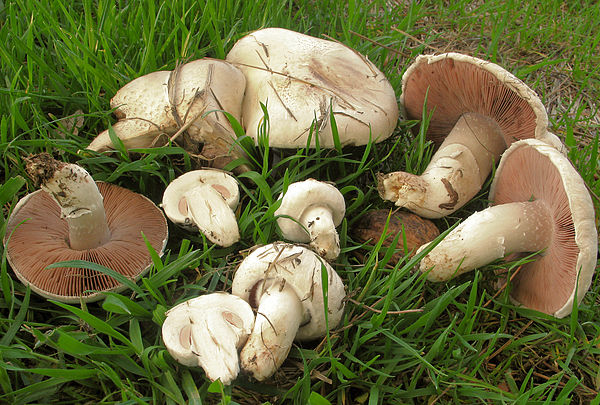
208 331
540 202
189 99
283 282
302 80
204 200
310 211
477 108
74 218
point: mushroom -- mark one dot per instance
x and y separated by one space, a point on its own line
302 80
162 105
204 200
310 211
540 203
75 218
208 331
478 109
414 231
283 282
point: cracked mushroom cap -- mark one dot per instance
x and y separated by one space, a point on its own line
302 79
531 170
207 331
154 107
37 236
301 268
175 202
453 84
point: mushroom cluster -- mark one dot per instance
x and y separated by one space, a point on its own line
480 114
282 284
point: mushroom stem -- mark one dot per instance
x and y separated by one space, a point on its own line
456 172
77 194
278 318
324 238
488 235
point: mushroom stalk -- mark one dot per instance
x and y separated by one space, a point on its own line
77 194
278 318
321 228
456 171
488 235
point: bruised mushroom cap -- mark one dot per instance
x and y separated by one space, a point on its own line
302 196
302 79
453 84
532 170
174 201
154 107
37 236
301 268
207 331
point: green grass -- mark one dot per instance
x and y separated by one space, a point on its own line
465 345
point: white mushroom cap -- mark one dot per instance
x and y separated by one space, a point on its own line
315 209
154 107
301 268
302 79
207 331
283 282
174 201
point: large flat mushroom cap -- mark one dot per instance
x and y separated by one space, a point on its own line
36 236
532 170
454 84
301 79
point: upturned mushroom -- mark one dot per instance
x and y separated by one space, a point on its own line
283 283
310 211
540 203
207 331
477 109
302 81
174 105
75 218
204 200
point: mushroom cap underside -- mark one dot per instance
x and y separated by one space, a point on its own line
453 84
531 170
37 236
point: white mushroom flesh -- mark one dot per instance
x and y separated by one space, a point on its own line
174 201
208 331
209 211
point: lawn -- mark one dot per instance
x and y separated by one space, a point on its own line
402 339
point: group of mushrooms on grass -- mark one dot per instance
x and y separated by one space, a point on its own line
481 118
